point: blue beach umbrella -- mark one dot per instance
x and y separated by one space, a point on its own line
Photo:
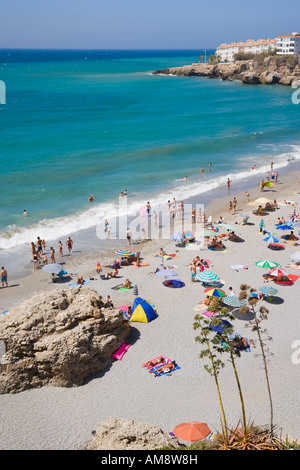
207 276
268 290
286 226
166 273
221 327
177 237
270 238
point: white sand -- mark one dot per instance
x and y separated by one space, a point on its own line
56 418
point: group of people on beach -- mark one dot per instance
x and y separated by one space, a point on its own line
38 251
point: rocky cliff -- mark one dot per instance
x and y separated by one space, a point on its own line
58 338
269 71
126 434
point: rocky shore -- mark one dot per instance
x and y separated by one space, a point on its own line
269 71
58 338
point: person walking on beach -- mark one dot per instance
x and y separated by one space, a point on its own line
228 184
52 255
262 185
4 277
247 195
69 244
60 247
128 236
148 207
234 203
230 207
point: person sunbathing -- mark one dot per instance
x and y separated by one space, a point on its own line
112 274
165 368
155 362
239 343
126 284
205 301
80 281
137 263
291 236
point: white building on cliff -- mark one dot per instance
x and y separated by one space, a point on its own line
288 44
226 52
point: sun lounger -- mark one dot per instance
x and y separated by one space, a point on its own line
121 351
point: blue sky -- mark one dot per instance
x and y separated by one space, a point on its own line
142 24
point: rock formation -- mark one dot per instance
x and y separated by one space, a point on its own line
58 338
268 71
125 434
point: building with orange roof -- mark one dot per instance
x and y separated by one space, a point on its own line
285 44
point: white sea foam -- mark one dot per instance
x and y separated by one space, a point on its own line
53 229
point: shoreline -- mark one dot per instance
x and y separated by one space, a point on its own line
51 416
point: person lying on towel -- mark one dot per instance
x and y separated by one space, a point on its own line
165 368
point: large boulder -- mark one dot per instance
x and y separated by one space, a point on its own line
126 434
270 77
250 78
58 338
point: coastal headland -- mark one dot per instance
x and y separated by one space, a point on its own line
268 71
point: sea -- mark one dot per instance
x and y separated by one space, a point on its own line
77 123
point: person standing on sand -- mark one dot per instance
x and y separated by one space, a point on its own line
262 185
247 195
148 207
4 276
234 203
69 244
128 236
60 247
230 207
52 255
228 184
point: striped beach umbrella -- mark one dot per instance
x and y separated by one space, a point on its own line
278 272
166 273
207 276
271 238
124 252
215 292
233 301
266 264
268 290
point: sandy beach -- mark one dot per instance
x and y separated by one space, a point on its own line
56 418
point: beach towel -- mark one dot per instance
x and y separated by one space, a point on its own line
293 277
6 311
124 289
293 266
163 373
121 351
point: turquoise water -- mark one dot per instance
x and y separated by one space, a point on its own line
77 123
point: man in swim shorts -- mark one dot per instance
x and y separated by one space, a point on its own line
4 276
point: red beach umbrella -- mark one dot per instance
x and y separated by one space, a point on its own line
192 431
278 272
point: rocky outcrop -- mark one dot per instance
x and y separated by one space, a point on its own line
58 338
125 434
271 70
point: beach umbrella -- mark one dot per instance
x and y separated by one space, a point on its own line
209 233
207 276
271 238
143 210
233 301
52 268
253 203
228 227
124 252
192 431
215 292
188 234
166 273
220 327
177 237
297 225
266 264
278 272
296 256
286 226
262 200
268 290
